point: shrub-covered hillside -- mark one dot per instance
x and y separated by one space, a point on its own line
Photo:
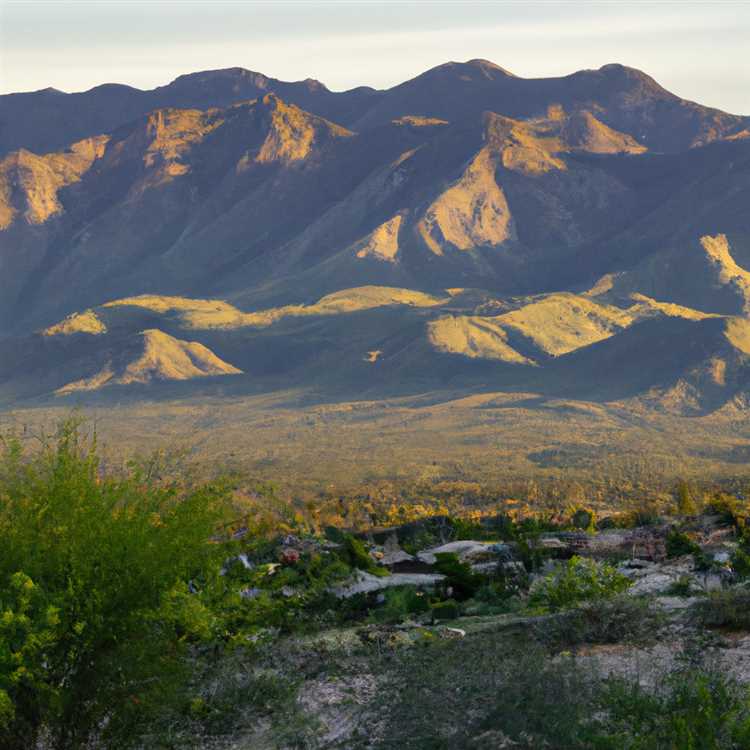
143 608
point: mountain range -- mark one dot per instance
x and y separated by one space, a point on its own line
584 237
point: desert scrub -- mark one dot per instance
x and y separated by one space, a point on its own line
448 693
517 696
692 707
617 619
729 609
579 579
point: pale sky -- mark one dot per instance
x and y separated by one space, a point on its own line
698 50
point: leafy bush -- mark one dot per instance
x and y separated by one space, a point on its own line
584 519
731 509
740 560
684 500
355 554
447 610
401 603
94 573
458 576
678 544
578 580
728 609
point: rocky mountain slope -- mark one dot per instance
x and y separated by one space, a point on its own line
584 236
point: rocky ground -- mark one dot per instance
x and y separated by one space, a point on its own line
363 685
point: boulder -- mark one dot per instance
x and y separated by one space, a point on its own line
365 583
467 551
392 554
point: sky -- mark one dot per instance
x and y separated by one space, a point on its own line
695 49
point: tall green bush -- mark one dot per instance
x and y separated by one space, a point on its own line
95 611
579 579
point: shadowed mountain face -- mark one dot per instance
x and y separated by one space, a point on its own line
584 236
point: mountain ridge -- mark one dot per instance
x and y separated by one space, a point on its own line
467 227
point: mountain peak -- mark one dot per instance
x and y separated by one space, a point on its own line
489 66
469 70
620 74
223 74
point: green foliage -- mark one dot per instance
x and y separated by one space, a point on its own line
499 593
458 576
518 697
447 610
740 560
684 500
578 580
93 591
730 508
729 609
478 693
356 555
401 603
683 587
678 544
695 707
584 519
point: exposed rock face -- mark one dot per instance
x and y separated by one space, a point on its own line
382 243
30 184
471 213
84 322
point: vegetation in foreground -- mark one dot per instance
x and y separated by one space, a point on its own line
142 608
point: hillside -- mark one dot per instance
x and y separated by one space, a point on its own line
580 238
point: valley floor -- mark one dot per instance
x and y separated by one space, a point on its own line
307 440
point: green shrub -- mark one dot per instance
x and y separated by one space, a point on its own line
354 553
683 587
678 544
684 500
728 609
731 509
458 576
465 694
96 614
400 604
740 560
447 610
693 707
578 580
584 519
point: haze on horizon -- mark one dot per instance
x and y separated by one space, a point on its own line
73 45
